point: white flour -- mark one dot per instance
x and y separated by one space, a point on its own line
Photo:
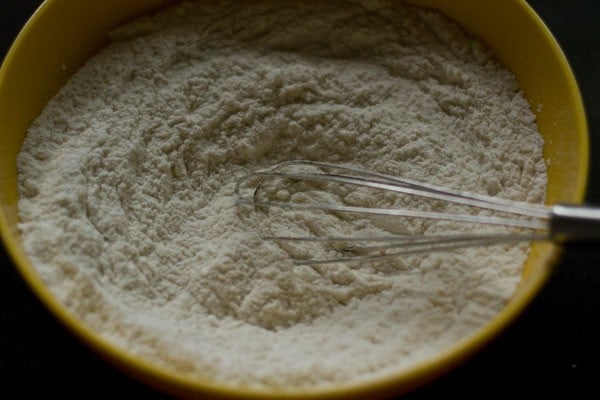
126 184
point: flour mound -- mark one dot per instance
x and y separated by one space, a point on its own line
126 186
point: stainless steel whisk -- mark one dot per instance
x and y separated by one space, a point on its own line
534 222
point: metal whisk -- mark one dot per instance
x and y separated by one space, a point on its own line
531 222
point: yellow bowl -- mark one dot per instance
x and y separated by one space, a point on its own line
62 34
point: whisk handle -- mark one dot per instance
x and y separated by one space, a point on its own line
572 223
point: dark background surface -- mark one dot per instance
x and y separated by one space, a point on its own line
552 350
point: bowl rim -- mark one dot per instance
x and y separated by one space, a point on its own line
398 382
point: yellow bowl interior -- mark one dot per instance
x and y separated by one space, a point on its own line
63 34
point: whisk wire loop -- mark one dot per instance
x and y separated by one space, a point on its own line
533 222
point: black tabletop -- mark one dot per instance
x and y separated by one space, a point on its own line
552 350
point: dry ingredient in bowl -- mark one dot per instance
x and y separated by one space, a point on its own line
126 186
